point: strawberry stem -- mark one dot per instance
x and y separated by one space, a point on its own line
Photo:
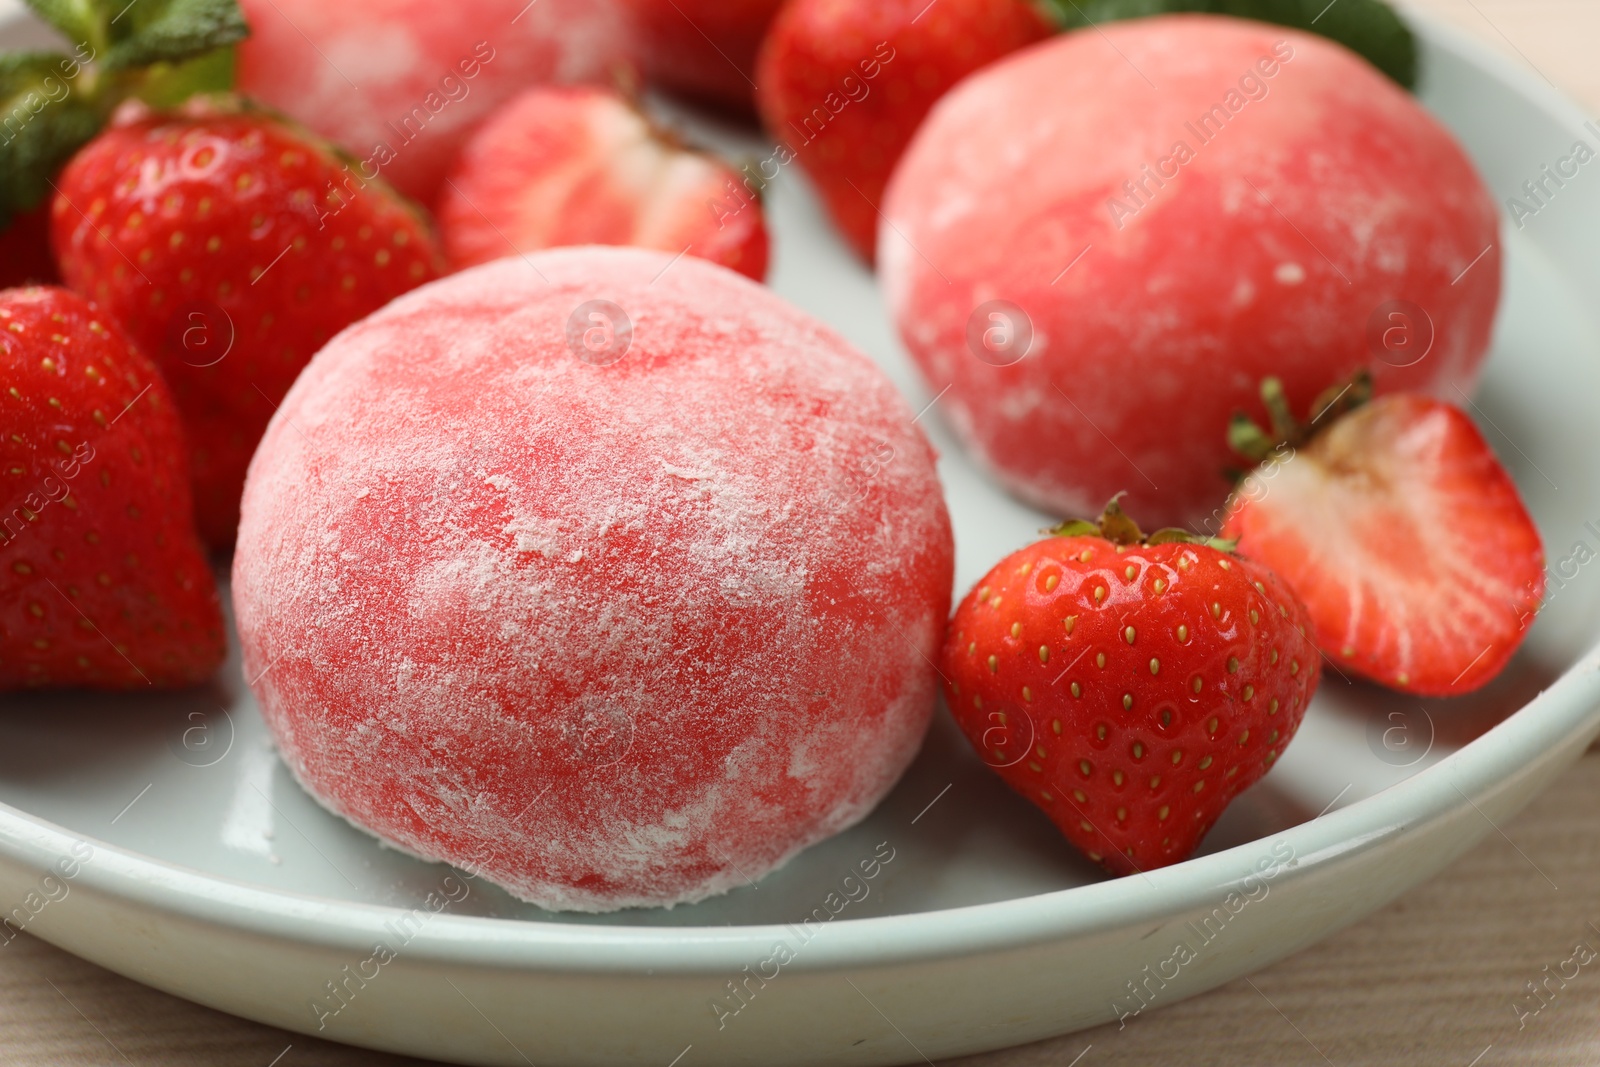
1250 440
1283 421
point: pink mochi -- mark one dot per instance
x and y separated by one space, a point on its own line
401 83
1103 244
613 578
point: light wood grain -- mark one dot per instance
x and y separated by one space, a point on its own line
1433 979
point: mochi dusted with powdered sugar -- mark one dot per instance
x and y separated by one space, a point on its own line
613 578
401 83
1103 244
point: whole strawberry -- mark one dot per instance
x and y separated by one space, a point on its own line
844 86
1130 687
1419 565
232 246
103 582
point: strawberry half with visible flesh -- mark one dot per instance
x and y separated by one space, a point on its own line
231 245
578 166
1406 539
1130 688
103 581
845 85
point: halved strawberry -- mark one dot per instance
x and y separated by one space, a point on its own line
1405 538
576 165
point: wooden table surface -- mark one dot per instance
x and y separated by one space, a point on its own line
1436 978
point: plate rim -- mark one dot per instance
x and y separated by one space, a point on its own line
1565 711
1538 731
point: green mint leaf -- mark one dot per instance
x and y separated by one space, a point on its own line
1078 14
1370 28
22 72
172 31
161 51
44 119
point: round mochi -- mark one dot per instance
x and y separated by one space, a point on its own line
1104 243
612 578
400 84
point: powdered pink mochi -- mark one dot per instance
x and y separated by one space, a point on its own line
1179 207
615 579
400 83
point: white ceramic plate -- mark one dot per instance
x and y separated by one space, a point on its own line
211 875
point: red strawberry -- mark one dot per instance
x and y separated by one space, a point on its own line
25 250
703 49
845 85
102 580
1129 687
231 245
1406 539
578 165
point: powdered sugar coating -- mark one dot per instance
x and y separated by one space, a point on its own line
614 635
415 76
1316 192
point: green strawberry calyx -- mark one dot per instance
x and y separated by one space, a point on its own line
1284 432
52 103
1118 527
